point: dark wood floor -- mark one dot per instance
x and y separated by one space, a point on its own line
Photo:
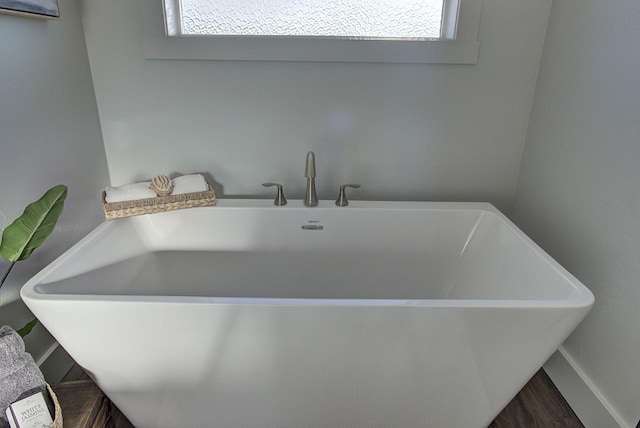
538 405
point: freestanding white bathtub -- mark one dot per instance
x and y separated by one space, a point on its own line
380 314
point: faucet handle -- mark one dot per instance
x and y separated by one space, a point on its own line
280 199
342 197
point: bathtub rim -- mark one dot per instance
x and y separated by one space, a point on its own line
583 297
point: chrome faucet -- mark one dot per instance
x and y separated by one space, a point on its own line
310 197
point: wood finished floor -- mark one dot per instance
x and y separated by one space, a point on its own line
538 405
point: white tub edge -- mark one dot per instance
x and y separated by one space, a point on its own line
584 299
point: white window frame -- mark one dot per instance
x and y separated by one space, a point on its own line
459 45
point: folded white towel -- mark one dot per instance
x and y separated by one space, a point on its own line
129 192
132 192
189 184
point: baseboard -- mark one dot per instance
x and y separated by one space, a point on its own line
55 363
588 404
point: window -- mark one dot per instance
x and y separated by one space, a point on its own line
365 19
406 31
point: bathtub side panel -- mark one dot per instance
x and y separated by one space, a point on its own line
187 364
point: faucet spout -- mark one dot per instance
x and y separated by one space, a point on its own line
310 169
310 198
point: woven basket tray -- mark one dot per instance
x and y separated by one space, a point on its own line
155 205
57 422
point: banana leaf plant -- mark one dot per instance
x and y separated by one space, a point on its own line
29 231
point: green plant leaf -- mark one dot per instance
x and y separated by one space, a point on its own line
27 328
29 231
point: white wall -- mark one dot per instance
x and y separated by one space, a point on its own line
438 132
579 188
49 134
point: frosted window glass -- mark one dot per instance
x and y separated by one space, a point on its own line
404 19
